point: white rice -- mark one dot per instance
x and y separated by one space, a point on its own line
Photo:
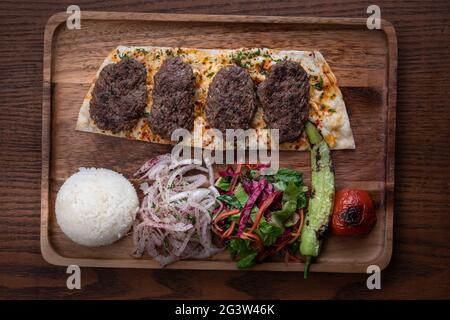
96 207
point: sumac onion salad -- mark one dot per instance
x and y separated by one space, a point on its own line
174 219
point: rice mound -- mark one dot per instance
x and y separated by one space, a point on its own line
96 207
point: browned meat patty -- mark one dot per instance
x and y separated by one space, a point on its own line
231 99
119 96
284 97
173 98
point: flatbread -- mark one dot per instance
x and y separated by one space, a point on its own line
326 105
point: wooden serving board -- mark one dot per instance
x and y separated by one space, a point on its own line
364 62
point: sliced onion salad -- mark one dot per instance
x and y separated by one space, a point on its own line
173 222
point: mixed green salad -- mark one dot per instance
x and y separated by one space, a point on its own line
259 215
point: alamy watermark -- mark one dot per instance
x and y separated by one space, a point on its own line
249 146
74 19
374 280
74 280
374 20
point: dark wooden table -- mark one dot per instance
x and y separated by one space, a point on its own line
420 264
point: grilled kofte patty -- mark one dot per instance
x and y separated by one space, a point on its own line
119 96
284 97
231 99
173 98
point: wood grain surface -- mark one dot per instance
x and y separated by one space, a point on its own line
420 263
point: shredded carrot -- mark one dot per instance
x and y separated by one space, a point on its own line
221 216
281 246
229 231
216 230
255 237
300 227
262 209
225 214
294 236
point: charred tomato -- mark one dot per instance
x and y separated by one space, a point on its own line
353 212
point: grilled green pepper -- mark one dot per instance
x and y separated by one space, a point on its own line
320 205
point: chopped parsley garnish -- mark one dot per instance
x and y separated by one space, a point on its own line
267 55
143 51
122 55
319 85
239 58
242 57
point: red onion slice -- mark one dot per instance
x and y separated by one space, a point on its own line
173 222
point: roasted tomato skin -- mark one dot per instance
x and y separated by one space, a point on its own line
353 212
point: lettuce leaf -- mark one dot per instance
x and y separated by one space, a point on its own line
269 233
280 216
230 200
284 176
224 183
293 198
295 192
247 261
242 250
240 194
239 247
292 220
